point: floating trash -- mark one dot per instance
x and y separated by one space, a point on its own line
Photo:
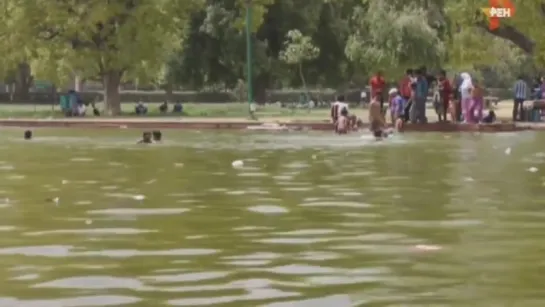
64 181
532 169
508 151
139 197
54 200
178 165
88 222
237 163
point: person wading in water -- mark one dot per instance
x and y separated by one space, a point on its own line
376 119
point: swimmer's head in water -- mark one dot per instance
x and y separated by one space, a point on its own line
146 137
28 135
157 135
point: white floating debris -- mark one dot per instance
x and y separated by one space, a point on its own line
314 157
532 169
178 165
64 181
237 163
151 181
55 200
88 222
508 151
425 247
139 197
469 179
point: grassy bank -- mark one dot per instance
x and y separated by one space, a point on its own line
208 110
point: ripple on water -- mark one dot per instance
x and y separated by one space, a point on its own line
62 251
95 231
82 159
329 301
88 301
187 277
268 209
346 204
139 211
94 283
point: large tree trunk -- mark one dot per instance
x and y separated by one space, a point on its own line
112 100
23 82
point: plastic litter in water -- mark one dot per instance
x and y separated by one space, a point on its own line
139 197
532 169
237 163
508 151
64 181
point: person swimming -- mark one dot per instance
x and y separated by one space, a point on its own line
146 138
157 136
27 135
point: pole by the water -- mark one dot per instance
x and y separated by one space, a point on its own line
249 50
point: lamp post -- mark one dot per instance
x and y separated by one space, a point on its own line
249 51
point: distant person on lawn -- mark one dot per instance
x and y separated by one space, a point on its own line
140 109
178 108
163 108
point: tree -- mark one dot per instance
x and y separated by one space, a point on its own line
392 38
109 39
298 50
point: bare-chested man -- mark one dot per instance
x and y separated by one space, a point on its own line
343 123
376 119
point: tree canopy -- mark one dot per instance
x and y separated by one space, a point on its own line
202 44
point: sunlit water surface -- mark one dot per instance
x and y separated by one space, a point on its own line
88 218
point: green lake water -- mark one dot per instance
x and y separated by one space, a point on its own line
309 220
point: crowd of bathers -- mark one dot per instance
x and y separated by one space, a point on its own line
462 100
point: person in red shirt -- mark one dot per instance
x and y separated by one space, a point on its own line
405 91
445 90
378 85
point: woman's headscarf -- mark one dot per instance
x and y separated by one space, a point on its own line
466 82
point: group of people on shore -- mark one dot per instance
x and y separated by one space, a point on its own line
461 99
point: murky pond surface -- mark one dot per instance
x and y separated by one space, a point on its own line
88 218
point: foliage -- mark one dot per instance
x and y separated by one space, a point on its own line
113 39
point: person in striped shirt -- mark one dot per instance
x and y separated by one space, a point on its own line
520 92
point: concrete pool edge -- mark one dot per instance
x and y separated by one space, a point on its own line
225 124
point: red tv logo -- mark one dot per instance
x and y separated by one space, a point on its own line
498 9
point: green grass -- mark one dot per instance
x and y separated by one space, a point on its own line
228 110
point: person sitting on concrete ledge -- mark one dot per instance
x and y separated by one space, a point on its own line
178 108
163 108
140 109
490 117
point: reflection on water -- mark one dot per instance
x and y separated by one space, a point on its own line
308 220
